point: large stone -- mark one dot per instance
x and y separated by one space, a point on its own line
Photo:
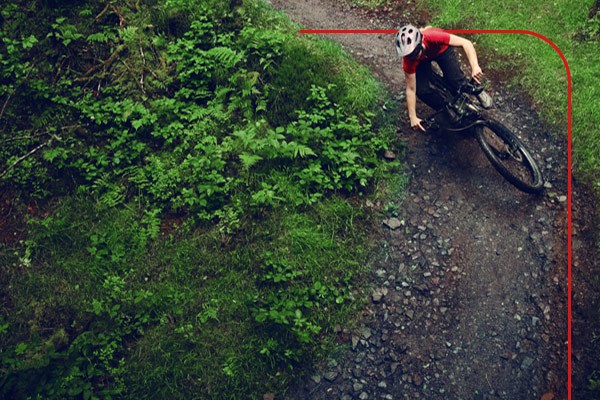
331 376
393 223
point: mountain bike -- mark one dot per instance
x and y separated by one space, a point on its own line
503 148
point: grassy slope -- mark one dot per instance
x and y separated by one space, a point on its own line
96 301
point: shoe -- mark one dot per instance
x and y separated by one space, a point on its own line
485 100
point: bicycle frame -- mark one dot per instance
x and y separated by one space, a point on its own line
459 107
461 113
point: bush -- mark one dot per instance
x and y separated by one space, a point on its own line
131 118
228 113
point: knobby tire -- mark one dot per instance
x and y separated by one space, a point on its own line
509 156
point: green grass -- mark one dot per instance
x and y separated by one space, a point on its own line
537 66
362 89
196 333
104 299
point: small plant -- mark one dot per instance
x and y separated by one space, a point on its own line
591 29
291 304
63 32
594 381
139 124
371 3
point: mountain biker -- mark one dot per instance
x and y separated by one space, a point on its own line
418 49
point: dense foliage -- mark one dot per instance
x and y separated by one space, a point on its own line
187 154
206 122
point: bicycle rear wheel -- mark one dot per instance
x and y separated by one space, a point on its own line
509 156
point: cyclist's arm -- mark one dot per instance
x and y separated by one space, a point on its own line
411 100
469 49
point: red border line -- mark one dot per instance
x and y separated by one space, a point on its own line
569 150
569 183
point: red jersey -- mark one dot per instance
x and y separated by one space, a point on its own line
435 42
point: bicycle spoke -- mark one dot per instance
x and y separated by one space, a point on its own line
516 154
509 155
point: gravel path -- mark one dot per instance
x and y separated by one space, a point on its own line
470 299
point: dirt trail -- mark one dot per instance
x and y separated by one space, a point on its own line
471 298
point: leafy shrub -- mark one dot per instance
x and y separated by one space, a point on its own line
150 113
590 31
193 144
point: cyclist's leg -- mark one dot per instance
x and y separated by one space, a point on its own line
453 73
425 91
455 77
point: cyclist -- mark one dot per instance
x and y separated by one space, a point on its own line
418 49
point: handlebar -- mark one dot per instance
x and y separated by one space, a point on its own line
431 122
454 109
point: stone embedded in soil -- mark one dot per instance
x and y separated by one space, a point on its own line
366 333
377 297
355 341
330 376
417 380
389 155
527 362
393 223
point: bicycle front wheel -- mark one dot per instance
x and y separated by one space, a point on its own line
509 156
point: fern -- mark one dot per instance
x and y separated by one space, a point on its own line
247 138
152 223
101 37
138 177
298 150
112 193
225 56
130 34
248 160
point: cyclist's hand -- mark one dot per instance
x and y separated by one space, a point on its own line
477 74
416 123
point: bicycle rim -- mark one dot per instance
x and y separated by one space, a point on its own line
510 156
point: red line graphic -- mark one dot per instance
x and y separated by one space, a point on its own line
569 149
569 181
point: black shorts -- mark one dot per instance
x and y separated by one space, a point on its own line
452 72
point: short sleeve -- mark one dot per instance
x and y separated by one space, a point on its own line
437 36
409 66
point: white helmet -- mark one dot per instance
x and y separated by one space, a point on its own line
408 39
